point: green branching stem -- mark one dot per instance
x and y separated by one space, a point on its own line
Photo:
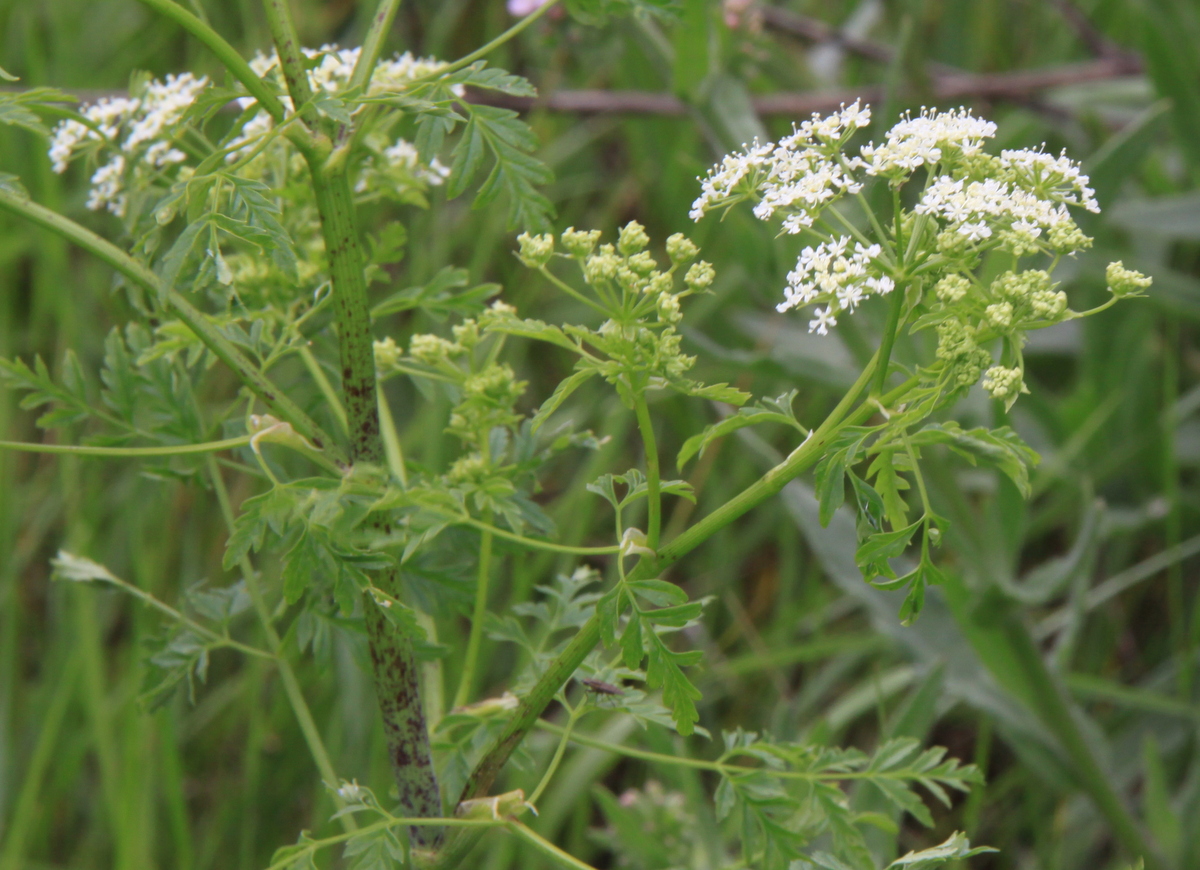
128 452
372 46
226 53
566 859
653 495
397 682
485 50
572 292
479 616
319 378
294 858
890 328
532 543
291 58
291 685
725 768
565 665
559 751
278 402
214 638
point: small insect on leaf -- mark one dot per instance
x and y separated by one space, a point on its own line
601 688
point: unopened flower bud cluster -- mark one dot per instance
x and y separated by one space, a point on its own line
487 396
640 293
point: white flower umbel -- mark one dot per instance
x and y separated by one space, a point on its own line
838 274
971 202
922 141
143 131
396 165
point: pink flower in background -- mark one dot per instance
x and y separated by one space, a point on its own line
521 8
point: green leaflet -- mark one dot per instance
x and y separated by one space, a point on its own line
514 172
777 410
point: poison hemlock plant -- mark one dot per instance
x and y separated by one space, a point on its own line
243 247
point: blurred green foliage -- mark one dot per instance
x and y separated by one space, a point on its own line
1064 659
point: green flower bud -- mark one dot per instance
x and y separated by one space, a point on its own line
467 468
580 242
1000 315
954 339
602 266
658 282
1067 238
387 354
1125 282
1048 304
681 249
1003 383
466 334
1021 285
952 288
632 238
642 263
668 308
536 251
432 349
1019 244
700 276
951 243
967 368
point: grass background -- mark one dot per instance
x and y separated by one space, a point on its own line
795 643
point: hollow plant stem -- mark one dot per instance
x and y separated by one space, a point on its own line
397 683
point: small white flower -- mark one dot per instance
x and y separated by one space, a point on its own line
823 320
107 184
975 231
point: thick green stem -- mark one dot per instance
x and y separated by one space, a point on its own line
653 496
355 343
279 403
478 617
397 683
397 687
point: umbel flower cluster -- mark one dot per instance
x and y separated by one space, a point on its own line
139 141
969 203
140 133
330 76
